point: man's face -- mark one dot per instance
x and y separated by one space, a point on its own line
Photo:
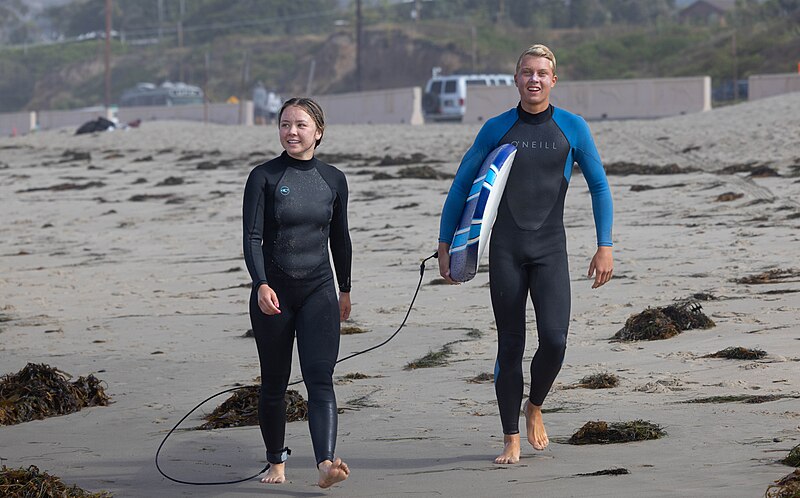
534 80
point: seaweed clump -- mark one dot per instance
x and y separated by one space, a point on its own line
432 359
786 487
241 409
770 277
742 398
600 432
482 378
352 329
602 380
31 482
793 459
39 391
738 353
654 324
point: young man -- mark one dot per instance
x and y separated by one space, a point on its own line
527 252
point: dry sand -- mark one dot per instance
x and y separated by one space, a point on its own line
151 295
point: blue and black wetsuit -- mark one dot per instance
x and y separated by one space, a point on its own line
527 252
292 208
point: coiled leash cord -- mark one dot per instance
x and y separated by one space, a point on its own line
353 355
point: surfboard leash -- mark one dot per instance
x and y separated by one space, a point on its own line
353 355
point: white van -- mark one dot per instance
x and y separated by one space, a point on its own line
445 97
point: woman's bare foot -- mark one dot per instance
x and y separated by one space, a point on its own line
275 474
510 452
332 472
537 435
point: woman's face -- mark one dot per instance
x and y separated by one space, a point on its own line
298 133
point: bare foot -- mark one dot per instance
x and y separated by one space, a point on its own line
275 474
332 472
510 452
537 435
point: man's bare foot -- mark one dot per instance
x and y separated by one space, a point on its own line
275 474
510 452
332 472
537 435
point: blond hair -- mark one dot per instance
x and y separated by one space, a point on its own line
538 50
311 108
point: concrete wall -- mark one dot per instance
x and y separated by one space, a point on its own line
604 99
17 123
49 120
396 106
222 113
760 86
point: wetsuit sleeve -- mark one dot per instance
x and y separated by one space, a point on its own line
341 248
588 159
253 226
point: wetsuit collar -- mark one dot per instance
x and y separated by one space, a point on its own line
298 163
538 118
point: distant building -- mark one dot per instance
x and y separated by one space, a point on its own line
710 12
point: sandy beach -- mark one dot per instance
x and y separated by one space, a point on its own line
121 256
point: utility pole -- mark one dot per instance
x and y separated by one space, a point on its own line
180 41
205 89
735 67
160 19
358 45
107 58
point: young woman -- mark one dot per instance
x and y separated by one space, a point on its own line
293 206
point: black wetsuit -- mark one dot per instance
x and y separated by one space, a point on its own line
292 209
527 250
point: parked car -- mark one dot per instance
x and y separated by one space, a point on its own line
167 94
445 97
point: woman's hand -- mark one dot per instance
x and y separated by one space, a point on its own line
268 300
344 306
601 267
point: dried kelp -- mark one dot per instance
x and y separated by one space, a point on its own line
688 315
432 359
60 187
600 432
664 322
32 483
482 378
738 353
607 472
352 329
423 172
602 380
625 168
241 409
793 459
728 196
742 398
649 325
39 391
356 376
786 487
770 277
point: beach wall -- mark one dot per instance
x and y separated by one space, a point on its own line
395 106
768 85
16 123
222 113
604 99
50 120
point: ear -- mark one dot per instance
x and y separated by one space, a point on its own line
317 134
555 78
